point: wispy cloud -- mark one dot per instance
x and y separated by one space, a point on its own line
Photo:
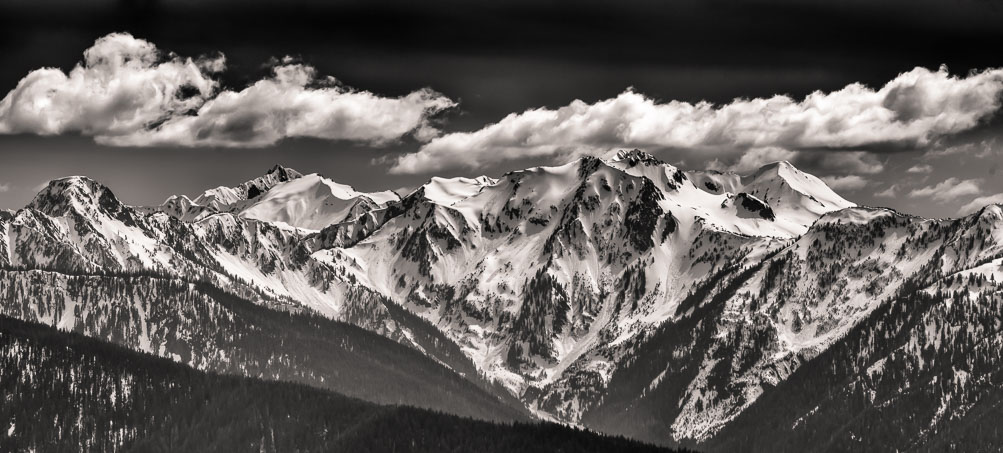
949 189
920 169
980 202
980 149
891 192
4 187
849 182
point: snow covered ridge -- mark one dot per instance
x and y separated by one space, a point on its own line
282 196
582 288
286 197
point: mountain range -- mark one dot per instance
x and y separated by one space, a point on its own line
703 309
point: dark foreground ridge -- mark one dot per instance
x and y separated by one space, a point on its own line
66 392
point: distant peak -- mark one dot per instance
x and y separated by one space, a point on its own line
177 198
856 215
635 156
447 191
778 166
74 192
76 185
991 212
222 198
283 173
463 180
485 180
783 170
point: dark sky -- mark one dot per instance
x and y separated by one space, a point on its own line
497 58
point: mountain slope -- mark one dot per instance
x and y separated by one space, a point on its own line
313 202
541 274
853 269
204 327
622 294
96 397
921 374
223 198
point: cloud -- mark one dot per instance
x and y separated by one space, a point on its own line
4 187
855 162
980 149
921 169
122 85
911 110
980 202
757 157
850 182
126 92
286 106
891 192
833 163
949 189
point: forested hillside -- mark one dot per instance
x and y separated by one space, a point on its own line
64 392
210 329
921 374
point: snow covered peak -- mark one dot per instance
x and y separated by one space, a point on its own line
177 200
485 180
856 215
780 167
283 173
223 198
775 176
78 193
777 200
634 157
992 213
792 192
183 208
781 200
313 202
447 191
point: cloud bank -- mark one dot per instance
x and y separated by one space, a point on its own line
949 189
126 92
911 110
849 182
891 192
980 202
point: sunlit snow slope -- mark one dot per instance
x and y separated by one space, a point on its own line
619 293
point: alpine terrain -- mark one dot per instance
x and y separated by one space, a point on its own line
710 310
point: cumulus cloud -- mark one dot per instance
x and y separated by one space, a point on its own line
126 92
980 202
911 110
122 85
949 189
285 105
850 182
920 169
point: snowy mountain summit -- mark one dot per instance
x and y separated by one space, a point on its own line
222 197
619 293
